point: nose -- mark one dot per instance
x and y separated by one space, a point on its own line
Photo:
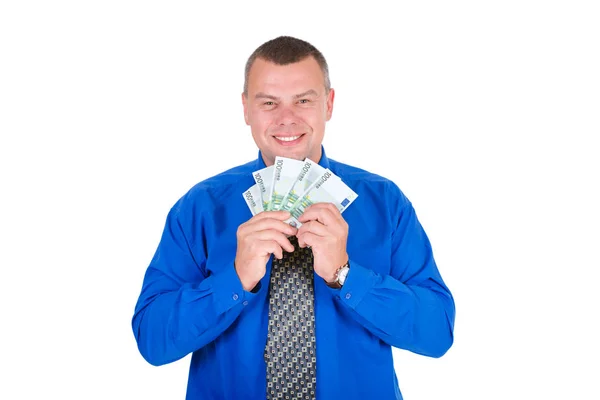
285 116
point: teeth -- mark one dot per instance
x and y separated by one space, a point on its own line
287 139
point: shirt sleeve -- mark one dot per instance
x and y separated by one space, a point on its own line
411 308
181 308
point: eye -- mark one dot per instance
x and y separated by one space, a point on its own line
268 103
304 101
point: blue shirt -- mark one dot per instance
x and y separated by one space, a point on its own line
192 300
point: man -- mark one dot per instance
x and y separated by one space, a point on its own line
372 281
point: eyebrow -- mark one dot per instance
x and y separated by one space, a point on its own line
310 92
261 95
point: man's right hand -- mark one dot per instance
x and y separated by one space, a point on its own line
258 238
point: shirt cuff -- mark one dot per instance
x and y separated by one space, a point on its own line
228 291
359 281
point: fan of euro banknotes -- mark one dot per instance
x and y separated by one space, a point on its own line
293 185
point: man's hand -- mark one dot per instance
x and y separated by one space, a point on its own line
326 232
258 238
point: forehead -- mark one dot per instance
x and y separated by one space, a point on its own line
298 77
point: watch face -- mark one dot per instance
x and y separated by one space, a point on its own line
342 275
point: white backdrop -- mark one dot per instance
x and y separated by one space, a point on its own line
484 113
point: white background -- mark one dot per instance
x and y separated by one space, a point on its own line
486 114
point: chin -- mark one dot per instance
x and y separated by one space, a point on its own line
297 155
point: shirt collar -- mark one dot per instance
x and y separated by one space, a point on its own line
323 162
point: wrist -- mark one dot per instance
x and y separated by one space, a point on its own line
249 285
339 276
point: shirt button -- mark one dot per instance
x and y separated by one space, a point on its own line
245 302
348 295
235 296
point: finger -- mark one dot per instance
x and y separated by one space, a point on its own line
273 236
271 223
314 227
265 216
327 206
301 243
323 214
274 248
308 239
280 215
331 209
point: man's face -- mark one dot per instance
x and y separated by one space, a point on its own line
287 107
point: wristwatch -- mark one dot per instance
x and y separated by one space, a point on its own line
340 276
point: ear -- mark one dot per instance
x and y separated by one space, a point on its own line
330 97
245 104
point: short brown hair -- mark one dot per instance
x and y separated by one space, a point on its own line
287 50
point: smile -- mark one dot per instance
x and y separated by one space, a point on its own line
287 138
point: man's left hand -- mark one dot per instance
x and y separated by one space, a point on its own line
326 232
